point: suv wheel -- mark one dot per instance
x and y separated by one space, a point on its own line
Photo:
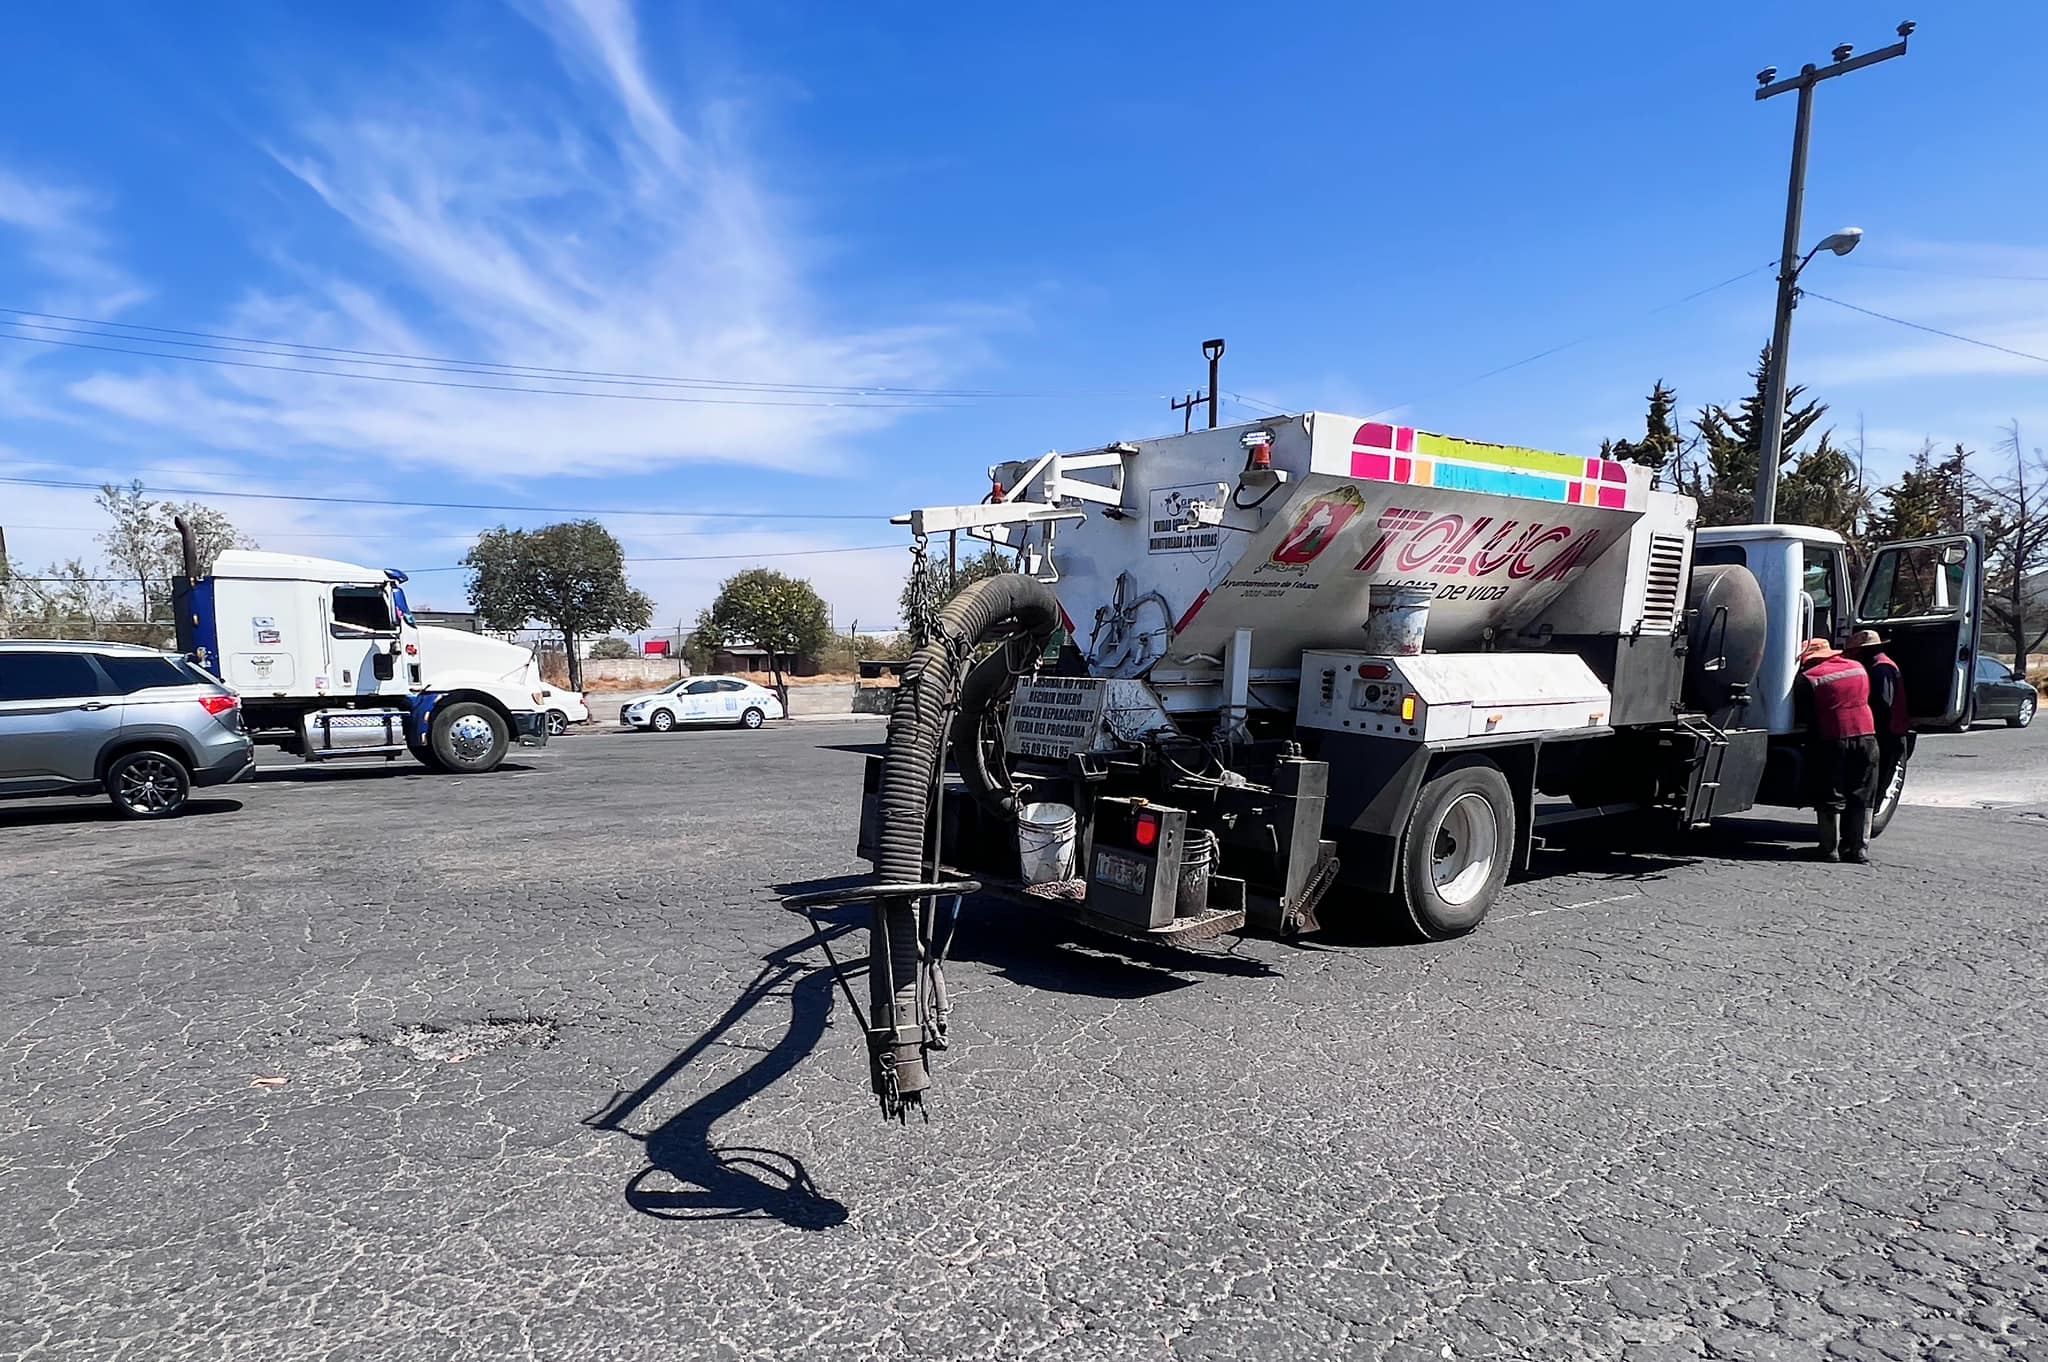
148 784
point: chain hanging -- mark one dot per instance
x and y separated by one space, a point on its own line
925 594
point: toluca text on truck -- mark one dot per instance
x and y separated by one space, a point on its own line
329 663
1318 659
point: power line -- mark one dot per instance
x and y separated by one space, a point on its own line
280 349
445 383
463 567
415 536
1566 345
1930 330
714 557
1256 404
467 505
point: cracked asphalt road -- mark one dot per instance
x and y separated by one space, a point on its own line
559 1080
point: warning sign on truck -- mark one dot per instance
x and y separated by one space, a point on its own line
1171 509
1054 716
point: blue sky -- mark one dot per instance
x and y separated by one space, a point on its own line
1047 209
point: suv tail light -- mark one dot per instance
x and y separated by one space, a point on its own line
217 705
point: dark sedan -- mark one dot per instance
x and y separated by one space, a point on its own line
2002 695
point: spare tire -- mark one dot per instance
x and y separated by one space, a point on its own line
1726 630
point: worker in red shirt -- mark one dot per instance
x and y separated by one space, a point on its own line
1888 712
1832 696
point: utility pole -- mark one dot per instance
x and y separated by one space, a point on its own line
1789 262
6 580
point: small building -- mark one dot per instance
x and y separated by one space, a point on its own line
748 657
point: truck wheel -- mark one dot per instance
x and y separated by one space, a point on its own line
423 753
148 784
469 738
1888 799
1456 850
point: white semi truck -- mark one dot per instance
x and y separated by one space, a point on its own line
1322 656
330 664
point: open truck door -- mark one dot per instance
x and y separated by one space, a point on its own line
1925 596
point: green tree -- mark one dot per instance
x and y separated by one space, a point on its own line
1661 444
770 610
1825 488
144 543
1724 483
71 600
570 576
611 649
1933 496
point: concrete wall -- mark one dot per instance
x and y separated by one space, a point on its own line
658 671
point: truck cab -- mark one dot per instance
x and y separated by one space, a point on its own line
330 663
1920 595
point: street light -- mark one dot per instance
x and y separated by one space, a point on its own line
1841 243
1790 263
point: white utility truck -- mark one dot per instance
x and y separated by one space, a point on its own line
1317 655
329 664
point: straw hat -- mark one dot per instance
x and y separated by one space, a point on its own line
1816 650
1864 638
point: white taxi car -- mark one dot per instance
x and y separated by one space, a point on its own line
703 700
564 707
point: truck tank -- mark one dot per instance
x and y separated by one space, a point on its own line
1496 532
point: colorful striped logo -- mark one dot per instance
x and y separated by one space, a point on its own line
1417 458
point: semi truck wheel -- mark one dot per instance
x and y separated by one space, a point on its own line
1456 849
469 738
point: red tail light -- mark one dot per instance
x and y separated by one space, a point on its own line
1146 832
217 705
1373 671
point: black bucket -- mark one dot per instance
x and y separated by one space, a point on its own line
1197 859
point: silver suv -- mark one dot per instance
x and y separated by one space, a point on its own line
143 726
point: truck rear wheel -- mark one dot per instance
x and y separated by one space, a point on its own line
1456 850
469 738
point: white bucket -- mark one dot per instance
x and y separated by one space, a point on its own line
1045 843
1395 619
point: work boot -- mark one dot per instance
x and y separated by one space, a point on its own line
1830 834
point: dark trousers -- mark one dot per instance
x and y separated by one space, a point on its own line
1845 777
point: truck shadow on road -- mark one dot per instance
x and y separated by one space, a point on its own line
391 770
689 1175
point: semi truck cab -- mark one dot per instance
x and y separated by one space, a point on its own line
330 663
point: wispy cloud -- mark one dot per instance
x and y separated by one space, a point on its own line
621 236
58 226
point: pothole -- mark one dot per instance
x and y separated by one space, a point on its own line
452 1044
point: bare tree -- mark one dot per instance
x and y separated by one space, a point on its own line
2016 536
